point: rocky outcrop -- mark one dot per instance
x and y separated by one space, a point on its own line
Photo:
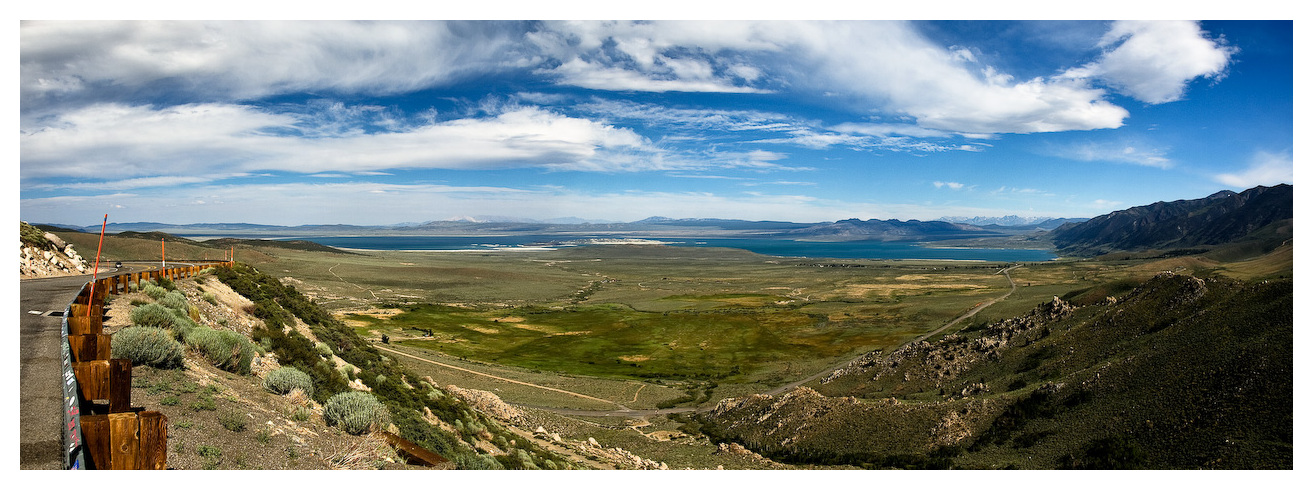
488 403
49 257
949 357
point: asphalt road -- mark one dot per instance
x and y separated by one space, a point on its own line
40 392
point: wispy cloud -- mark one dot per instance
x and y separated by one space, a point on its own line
1021 192
957 186
1264 169
1104 204
1125 151
340 203
598 76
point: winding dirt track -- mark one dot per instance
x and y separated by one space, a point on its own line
627 412
499 378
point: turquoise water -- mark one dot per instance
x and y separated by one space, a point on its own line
781 248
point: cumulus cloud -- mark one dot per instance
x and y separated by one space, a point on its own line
1154 61
651 56
242 60
890 65
137 141
1264 169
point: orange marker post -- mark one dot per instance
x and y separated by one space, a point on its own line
96 270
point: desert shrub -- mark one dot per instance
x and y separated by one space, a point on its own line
356 412
153 315
473 461
227 350
204 402
167 283
348 371
151 346
155 292
183 326
33 236
287 378
209 298
233 420
323 349
173 300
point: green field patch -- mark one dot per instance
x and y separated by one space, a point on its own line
613 340
716 301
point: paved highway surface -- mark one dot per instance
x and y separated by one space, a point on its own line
40 392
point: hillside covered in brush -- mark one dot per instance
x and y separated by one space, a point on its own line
1180 373
1218 219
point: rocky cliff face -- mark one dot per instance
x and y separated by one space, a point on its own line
48 256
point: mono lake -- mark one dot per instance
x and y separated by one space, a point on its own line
764 246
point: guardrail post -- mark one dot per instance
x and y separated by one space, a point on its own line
124 441
89 347
107 433
95 441
154 441
109 380
82 324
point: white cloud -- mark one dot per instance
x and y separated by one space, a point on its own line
957 186
598 76
1153 61
1137 153
1264 169
1104 204
253 59
886 67
888 64
699 120
138 141
137 183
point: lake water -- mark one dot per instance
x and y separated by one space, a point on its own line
781 248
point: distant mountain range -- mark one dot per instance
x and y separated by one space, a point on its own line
852 229
1012 221
1220 218
890 230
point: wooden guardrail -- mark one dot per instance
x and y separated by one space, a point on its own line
102 430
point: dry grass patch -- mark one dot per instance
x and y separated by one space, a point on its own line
482 330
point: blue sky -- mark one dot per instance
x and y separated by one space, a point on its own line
385 122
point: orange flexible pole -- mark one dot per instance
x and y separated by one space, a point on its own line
96 270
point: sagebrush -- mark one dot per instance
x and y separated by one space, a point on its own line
355 412
151 346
